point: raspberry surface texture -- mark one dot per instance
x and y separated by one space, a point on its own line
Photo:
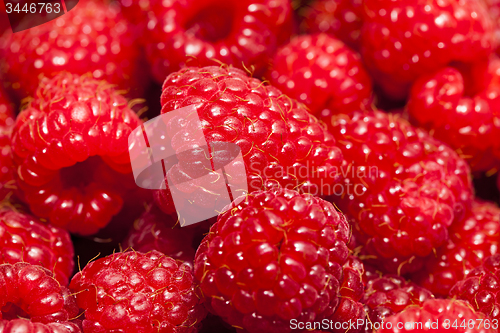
470 124
92 38
138 292
480 288
26 326
402 188
23 238
7 181
323 73
279 255
401 40
280 142
242 33
339 18
438 315
472 240
30 292
70 152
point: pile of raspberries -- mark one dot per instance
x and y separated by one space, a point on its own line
340 159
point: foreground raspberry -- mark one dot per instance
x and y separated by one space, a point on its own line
91 38
280 141
401 40
339 18
70 151
7 181
391 294
402 188
480 288
323 73
440 103
242 33
155 230
30 292
26 326
439 315
138 292
276 256
24 238
472 240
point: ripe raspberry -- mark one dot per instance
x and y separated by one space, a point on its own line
480 288
92 37
7 182
401 39
138 292
280 141
437 315
323 73
402 188
24 238
242 33
391 294
155 230
469 124
70 151
26 326
30 292
276 256
472 239
7 115
339 18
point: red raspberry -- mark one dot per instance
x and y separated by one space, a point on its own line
437 315
401 39
242 33
480 288
92 37
440 103
7 115
391 294
26 326
402 188
30 292
70 151
7 182
472 239
323 73
340 18
138 292
276 256
280 141
155 230
24 238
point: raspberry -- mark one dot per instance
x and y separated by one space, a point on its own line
279 255
402 188
7 182
138 292
472 239
480 288
30 292
280 141
242 33
437 315
391 294
155 230
24 238
7 114
403 39
323 73
70 151
470 125
92 37
340 18
26 326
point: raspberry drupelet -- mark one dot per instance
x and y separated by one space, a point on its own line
279 255
31 293
91 38
138 292
323 73
242 33
280 142
70 152
402 39
472 239
402 188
